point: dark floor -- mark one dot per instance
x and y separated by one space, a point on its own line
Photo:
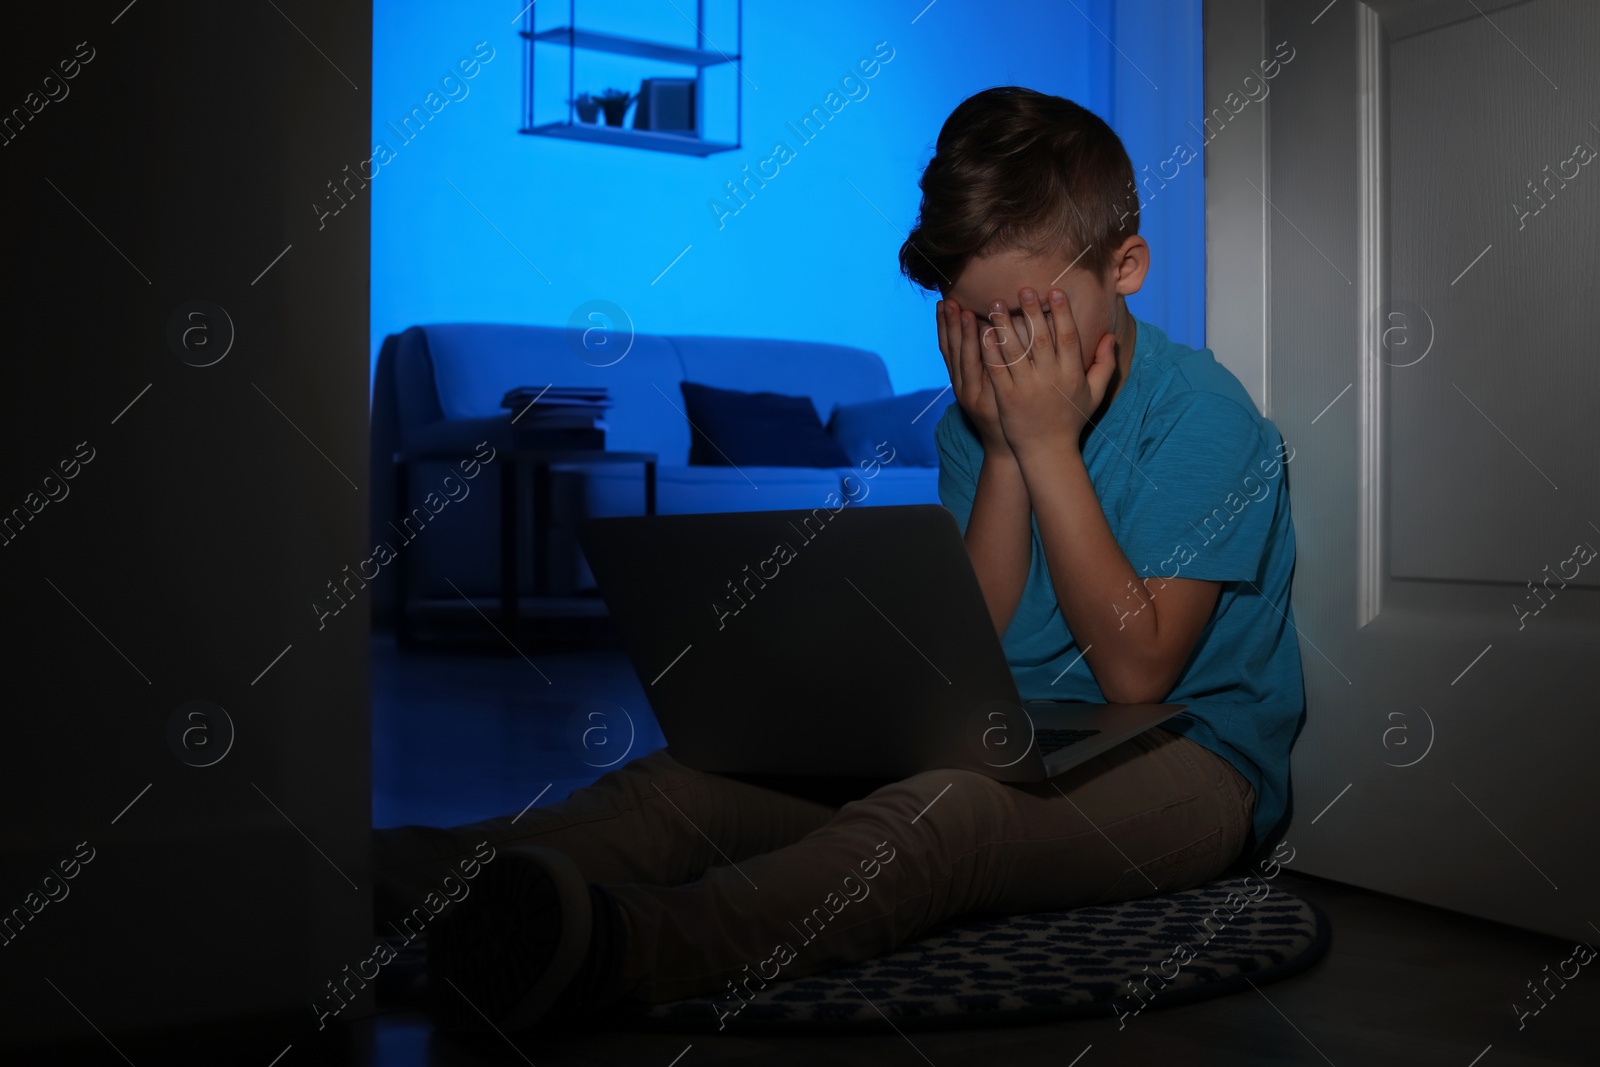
472 731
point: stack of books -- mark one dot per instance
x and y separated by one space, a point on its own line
558 416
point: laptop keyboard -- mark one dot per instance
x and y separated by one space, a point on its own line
1054 740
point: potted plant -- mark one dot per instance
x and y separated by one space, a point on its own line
614 102
588 107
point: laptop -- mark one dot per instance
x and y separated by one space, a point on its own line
850 644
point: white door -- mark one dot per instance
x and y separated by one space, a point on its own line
1402 267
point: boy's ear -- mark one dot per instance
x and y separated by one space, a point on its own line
1129 264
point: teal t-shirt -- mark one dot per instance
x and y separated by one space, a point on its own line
1190 477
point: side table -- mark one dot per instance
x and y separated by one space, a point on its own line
513 461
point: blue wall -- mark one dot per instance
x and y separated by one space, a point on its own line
472 221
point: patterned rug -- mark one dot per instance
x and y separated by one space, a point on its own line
1111 960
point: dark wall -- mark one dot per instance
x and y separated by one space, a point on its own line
167 525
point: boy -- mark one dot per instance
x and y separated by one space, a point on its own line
1123 506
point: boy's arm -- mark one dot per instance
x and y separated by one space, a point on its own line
1135 642
1000 536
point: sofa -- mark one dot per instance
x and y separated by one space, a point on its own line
438 388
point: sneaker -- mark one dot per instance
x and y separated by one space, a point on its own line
501 957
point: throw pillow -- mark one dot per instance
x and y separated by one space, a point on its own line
905 421
729 427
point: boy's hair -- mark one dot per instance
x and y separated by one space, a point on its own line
1019 170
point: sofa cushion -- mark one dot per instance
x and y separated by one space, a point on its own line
892 484
732 428
905 421
829 374
619 489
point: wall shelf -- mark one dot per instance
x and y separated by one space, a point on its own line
574 40
630 46
598 133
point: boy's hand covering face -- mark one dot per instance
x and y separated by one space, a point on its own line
959 343
1045 383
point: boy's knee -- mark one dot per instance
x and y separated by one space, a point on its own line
957 779
937 796
642 773
659 757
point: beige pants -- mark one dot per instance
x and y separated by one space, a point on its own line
727 886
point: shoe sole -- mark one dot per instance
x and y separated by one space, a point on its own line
501 957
